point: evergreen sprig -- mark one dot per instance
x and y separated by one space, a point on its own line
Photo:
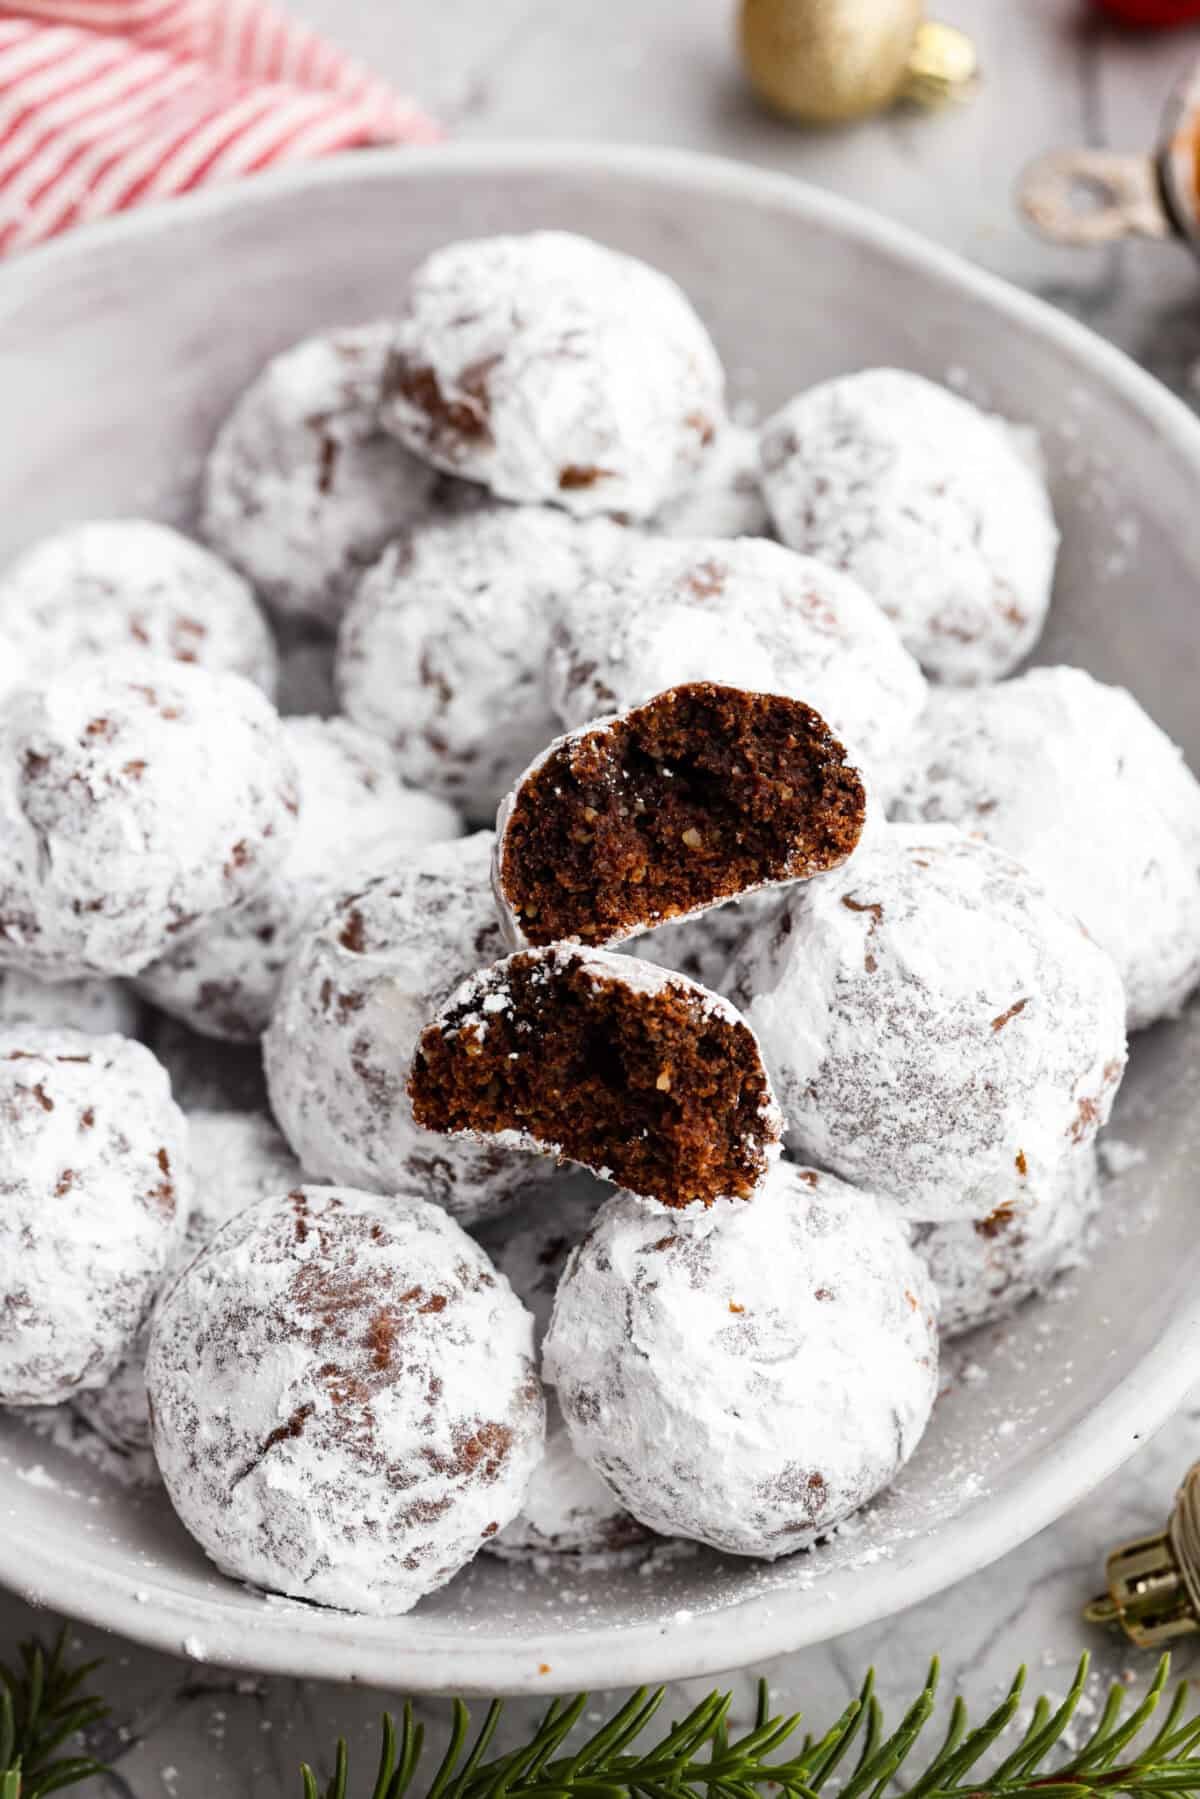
858 1758
42 1707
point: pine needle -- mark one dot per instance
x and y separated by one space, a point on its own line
699 1757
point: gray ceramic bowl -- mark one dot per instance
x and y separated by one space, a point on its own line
119 351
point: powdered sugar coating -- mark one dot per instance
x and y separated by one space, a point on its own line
372 970
748 614
986 1269
726 498
929 504
303 488
355 813
750 1375
551 368
344 1398
106 1007
137 796
443 648
236 1159
129 585
1078 783
483 996
95 1196
568 1510
935 1027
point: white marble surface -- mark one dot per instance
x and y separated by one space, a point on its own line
662 71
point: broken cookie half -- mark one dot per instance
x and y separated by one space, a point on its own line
643 1076
702 794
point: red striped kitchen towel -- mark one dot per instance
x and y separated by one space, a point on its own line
105 103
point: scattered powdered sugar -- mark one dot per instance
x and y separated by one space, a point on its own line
927 502
128 585
303 488
355 812
745 613
1078 783
442 650
551 368
237 1158
344 1398
96 1194
136 797
675 1347
374 966
935 1027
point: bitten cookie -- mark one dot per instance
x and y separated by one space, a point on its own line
550 368
95 1197
303 488
748 614
128 584
700 796
1078 783
344 1399
373 968
929 503
644 1077
935 1027
751 1375
137 796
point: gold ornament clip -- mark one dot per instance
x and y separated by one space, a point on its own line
1154 1582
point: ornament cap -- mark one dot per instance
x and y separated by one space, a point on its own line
1154 1582
942 65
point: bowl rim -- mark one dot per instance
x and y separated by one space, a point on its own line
306 1642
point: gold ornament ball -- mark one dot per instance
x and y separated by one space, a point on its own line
824 61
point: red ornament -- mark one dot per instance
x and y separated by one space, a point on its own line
1152 15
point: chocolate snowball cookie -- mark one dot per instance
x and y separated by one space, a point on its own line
569 1514
137 796
303 488
96 1193
356 814
236 1158
644 1077
442 651
375 964
747 613
344 1400
929 503
106 1007
726 498
751 1375
550 368
128 584
935 1027
701 795
1078 783
985 1268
